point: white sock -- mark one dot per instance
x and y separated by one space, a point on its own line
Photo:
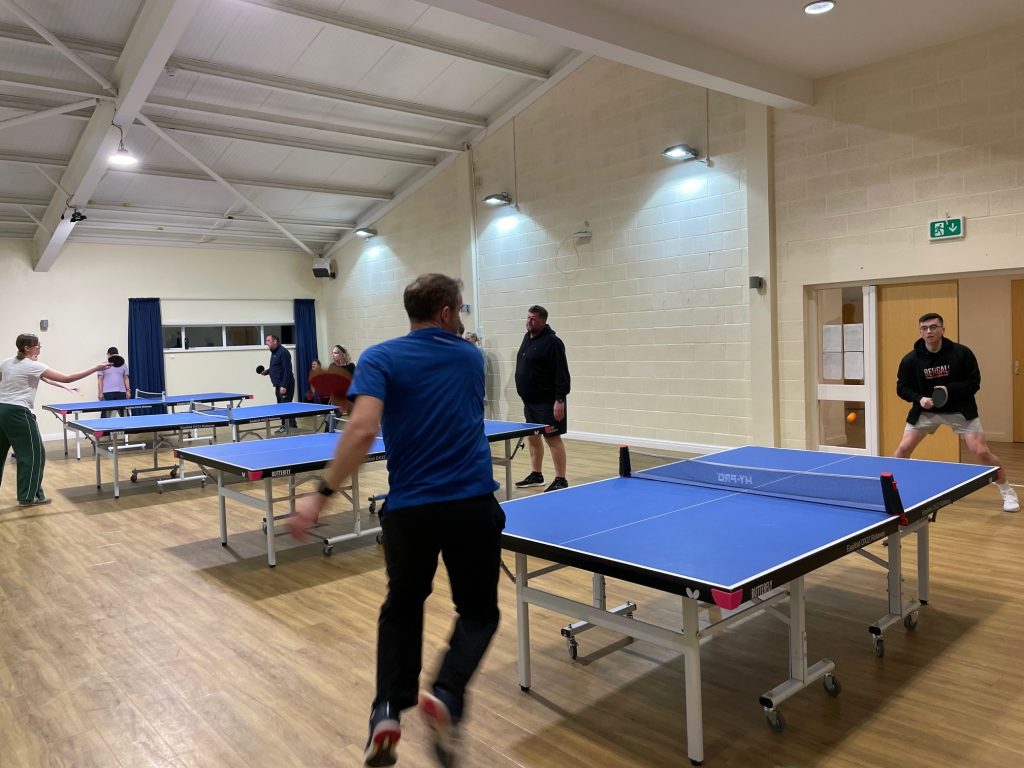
1003 486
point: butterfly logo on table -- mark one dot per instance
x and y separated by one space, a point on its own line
693 594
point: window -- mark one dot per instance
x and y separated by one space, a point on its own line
179 337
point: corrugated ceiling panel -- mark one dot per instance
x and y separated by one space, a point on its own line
404 72
461 85
158 192
264 40
400 14
56 135
339 57
45 61
108 20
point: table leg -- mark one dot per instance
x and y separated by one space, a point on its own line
691 672
117 484
268 490
523 621
922 562
223 509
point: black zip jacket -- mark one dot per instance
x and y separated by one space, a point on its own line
954 367
280 368
542 370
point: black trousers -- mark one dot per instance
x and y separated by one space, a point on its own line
114 396
287 397
467 535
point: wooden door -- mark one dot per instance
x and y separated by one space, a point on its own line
899 306
1017 312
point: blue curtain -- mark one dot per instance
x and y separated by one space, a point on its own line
146 346
305 343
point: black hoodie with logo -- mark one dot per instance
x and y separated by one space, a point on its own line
954 367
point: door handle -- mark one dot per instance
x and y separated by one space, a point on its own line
1016 367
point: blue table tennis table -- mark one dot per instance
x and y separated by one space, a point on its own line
141 400
292 457
178 423
734 532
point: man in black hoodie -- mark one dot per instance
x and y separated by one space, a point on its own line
938 362
542 381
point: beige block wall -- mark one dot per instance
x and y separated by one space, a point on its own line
653 309
84 296
885 149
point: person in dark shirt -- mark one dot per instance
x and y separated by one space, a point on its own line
542 381
282 376
935 361
425 390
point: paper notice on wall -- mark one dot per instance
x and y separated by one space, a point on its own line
853 365
832 338
832 366
853 337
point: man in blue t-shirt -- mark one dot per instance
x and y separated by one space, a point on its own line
426 392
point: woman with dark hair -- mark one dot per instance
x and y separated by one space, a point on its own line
19 379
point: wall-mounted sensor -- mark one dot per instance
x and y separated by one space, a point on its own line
44 325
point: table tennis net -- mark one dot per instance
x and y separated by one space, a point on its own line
817 487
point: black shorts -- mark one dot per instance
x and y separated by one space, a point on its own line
544 413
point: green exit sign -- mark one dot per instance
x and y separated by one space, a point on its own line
946 229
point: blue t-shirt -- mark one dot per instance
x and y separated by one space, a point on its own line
432 386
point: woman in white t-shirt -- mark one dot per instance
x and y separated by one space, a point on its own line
19 379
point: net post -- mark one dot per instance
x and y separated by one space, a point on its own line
891 497
625 470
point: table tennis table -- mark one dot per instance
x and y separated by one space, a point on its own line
161 424
141 400
294 456
734 532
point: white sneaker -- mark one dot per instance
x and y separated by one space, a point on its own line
1010 502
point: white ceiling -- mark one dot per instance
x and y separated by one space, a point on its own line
323 112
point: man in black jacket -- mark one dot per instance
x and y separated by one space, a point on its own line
938 362
281 376
542 381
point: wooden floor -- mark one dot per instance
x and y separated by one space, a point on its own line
130 637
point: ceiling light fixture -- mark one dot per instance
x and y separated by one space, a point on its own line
819 7
500 198
122 156
77 216
365 232
680 152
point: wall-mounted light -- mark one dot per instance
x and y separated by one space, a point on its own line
819 7
501 198
122 157
680 152
365 232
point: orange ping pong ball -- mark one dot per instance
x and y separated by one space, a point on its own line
851 417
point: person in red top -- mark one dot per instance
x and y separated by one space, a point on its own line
935 361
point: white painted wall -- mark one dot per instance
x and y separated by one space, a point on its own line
885 149
84 296
653 310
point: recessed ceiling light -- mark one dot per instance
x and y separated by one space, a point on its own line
819 7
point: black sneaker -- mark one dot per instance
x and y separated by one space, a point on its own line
557 484
385 731
532 479
442 713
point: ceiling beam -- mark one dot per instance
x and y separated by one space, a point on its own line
158 27
27 104
413 40
327 93
598 28
202 108
49 112
282 84
19 158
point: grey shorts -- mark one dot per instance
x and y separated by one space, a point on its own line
929 422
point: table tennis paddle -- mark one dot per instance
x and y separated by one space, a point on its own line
331 382
116 360
260 369
940 396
